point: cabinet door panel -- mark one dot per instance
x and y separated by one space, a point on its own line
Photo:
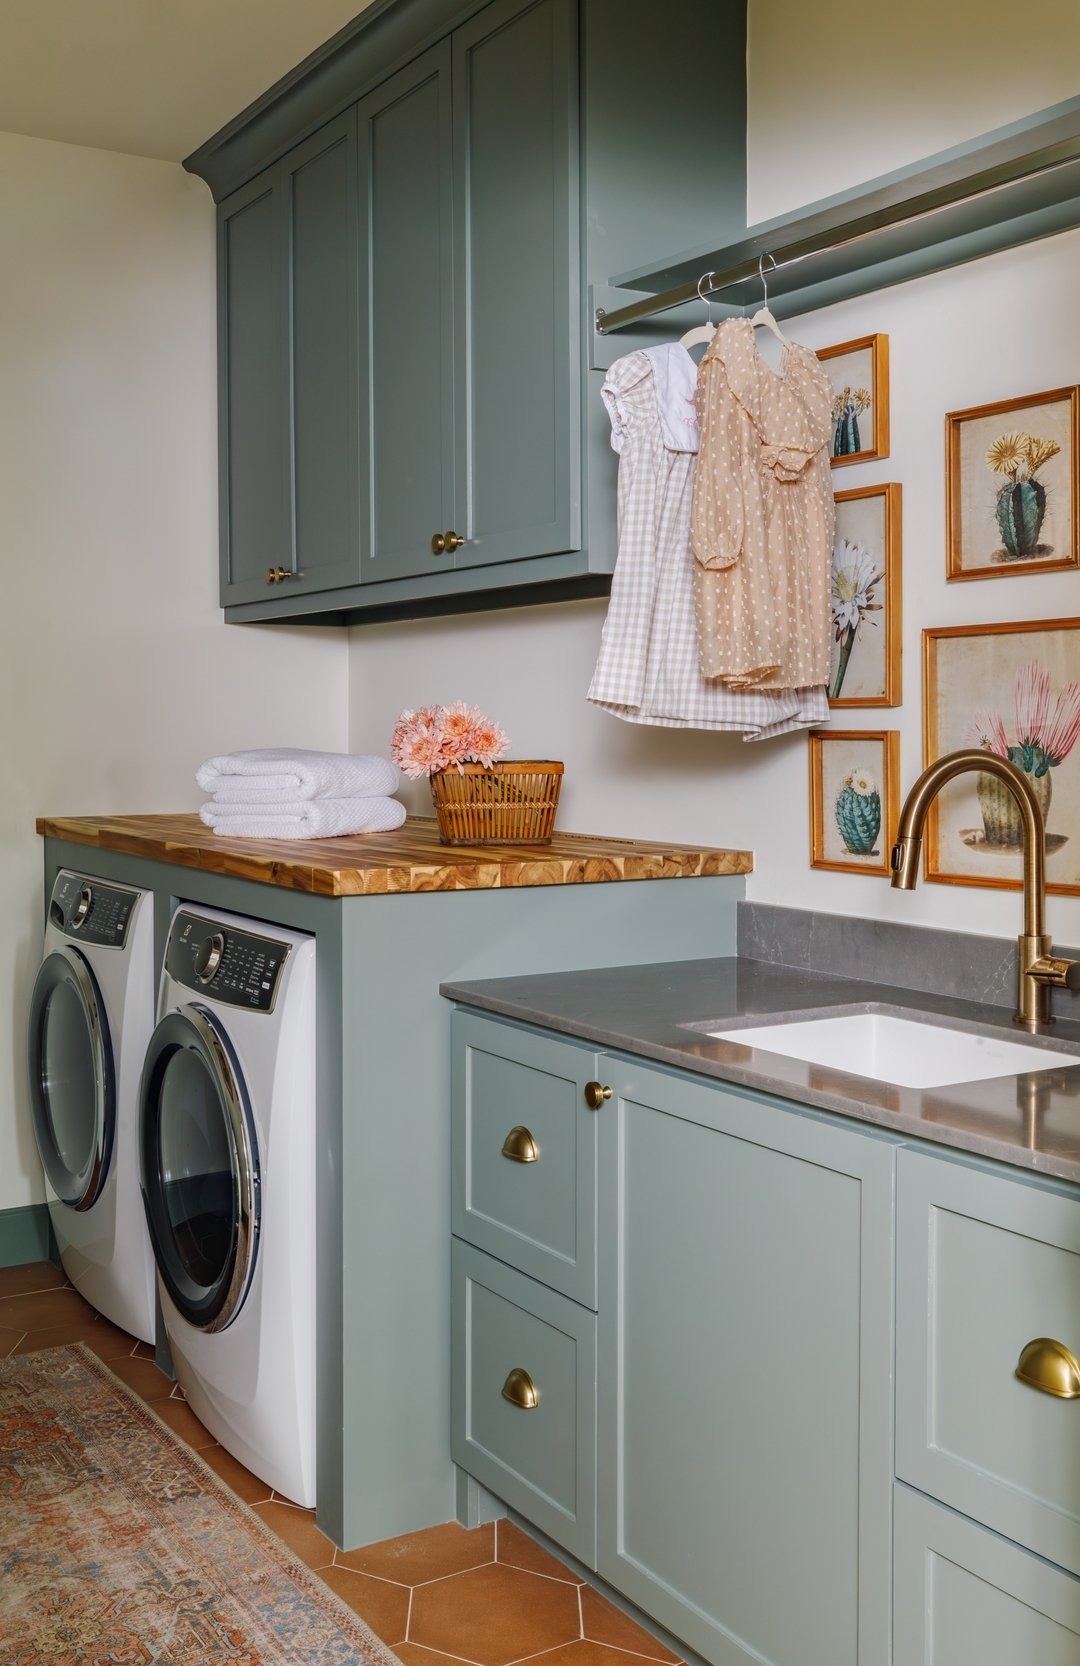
321 201
744 1313
964 1595
407 316
518 346
252 392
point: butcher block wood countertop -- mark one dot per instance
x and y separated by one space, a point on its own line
409 859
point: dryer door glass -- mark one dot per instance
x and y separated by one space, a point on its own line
70 1062
200 1170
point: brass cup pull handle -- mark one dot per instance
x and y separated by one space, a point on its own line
1050 1367
520 1146
444 543
595 1094
520 1390
277 575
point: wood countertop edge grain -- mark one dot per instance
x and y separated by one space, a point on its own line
407 860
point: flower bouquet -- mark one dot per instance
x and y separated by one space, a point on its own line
479 798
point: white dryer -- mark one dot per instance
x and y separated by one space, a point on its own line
227 1151
91 1015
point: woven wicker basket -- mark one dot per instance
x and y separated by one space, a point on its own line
508 804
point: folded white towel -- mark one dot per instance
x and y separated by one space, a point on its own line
310 818
278 773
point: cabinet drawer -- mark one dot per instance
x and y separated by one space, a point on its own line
985 1266
964 1595
512 1336
524 1152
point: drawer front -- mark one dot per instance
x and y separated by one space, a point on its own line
509 1333
985 1266
962 1595
524 1139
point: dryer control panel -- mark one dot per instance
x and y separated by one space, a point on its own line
91 910
237 968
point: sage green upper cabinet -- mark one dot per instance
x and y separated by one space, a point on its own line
414 227
517 354
289 418
406 310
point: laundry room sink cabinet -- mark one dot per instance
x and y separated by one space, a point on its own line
408 227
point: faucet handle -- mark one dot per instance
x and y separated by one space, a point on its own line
1051 969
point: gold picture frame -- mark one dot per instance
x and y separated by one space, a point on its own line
1015 688
865 652
859 369
1012 495
849 770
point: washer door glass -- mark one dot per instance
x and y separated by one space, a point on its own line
72 1078
200 1171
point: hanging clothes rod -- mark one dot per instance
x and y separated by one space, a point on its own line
828 240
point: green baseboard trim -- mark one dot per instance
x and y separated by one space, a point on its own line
26 1234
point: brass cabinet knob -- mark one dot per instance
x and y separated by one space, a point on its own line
444 543
520 1390
595 1094
520 1146
1050 1367
275 575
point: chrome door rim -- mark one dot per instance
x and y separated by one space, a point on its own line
67 966
193 1027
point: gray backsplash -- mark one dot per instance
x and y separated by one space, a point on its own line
953 963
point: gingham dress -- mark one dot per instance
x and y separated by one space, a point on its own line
761 523
648 670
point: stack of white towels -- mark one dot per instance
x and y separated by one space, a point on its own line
275 793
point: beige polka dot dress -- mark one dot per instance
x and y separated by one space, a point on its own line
762 514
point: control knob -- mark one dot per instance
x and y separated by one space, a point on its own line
208 956
82 908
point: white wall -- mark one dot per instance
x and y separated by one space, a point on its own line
116 673
840 92
1000 328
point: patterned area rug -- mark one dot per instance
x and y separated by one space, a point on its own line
118 1545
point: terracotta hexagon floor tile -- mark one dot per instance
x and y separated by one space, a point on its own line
183 1422
382 1606
494 1614
9 1340
243 1483
42 1309
602 1622
297 1528
416 1558
58 1336
143 1376
412 1654
108 1341
32 1276
515 1548
588 1654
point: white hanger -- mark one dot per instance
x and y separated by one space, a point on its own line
763 318
701 332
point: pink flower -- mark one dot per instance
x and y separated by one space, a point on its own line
488 742
1032 700
987 730
1064 728
418 754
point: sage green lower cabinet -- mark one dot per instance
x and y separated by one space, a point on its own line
965 1597
744 1377
523 1405
987 1263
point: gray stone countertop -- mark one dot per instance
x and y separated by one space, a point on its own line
1031 1121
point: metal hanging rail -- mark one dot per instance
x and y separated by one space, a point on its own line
909 210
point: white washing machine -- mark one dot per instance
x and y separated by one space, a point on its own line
91 1015
227 1150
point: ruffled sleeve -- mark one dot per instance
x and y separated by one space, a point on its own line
618 393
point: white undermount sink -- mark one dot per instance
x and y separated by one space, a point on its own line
905 1051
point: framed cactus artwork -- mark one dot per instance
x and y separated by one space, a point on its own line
854 798
1011 486
859 373
1012 689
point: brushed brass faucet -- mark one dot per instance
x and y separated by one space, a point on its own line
1037 969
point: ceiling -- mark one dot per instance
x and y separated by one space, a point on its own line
149 77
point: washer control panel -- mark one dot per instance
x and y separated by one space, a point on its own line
237 968
91 910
